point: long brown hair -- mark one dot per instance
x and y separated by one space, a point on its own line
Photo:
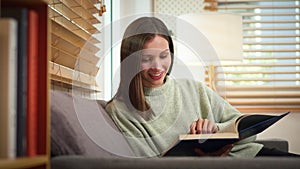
140 31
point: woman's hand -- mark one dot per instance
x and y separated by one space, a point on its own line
203 126
223 152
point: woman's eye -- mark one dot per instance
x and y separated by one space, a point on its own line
146 59
163 56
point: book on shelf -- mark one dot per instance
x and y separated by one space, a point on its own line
243 127
20 14
32 83
42 79
8 84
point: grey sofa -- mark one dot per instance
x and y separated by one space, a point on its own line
80 162
74 144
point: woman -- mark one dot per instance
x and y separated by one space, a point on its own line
151 109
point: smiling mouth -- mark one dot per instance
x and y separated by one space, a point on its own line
156 76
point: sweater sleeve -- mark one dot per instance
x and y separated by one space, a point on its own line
223 113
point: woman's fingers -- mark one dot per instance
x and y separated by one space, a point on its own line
203 126
193 128
223 152
200 153
212 127
199 127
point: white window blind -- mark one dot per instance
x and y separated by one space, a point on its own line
268 78
74 46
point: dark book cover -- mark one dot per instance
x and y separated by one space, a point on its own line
20 14
257 123
243 127
187 147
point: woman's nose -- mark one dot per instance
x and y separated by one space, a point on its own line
156 64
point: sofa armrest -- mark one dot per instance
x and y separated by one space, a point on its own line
280 144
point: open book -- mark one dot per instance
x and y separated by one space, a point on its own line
243 127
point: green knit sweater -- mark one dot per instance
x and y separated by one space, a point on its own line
174 106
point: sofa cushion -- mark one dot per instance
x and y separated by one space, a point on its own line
79 162
278 143
81 126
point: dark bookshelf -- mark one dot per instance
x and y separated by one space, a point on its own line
39 160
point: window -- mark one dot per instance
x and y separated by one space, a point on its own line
268 79
74 45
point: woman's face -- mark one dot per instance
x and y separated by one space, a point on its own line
155 62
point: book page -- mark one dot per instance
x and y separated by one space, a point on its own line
231 128
208 136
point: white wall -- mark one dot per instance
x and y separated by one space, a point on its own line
132 7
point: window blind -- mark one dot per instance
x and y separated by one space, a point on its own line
268 78
74 46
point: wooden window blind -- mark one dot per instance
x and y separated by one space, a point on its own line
268 78
74 46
